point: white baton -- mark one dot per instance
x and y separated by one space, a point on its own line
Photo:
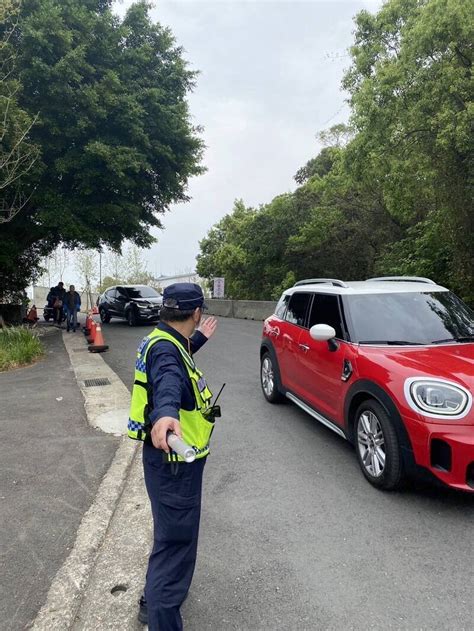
181 448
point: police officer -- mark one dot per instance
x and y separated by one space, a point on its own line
170 394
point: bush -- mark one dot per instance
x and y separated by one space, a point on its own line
18 346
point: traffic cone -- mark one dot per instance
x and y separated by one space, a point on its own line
87 325
32 316
92 332
98 345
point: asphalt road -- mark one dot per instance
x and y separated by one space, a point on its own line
292 536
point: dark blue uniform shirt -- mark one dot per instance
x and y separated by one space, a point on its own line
172 388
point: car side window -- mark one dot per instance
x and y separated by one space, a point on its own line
325 310
297 308
121 293
110 294
281 307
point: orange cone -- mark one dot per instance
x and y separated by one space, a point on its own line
87 326
92 332
98 345
32 316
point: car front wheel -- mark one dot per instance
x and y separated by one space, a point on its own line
268 380
377 446
131 317
104 316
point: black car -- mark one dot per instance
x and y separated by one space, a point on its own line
134 303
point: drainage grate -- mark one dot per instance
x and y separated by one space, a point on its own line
101 381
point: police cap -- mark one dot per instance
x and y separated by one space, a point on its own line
183 296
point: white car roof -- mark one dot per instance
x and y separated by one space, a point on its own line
368 287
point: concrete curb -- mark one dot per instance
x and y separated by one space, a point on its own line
66 592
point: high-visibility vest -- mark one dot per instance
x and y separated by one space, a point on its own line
195 428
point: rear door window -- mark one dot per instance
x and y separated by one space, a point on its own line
281 307
298 308
325 310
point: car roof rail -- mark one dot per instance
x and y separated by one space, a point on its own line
321 281
405 279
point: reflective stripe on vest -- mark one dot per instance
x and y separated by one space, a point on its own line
196 429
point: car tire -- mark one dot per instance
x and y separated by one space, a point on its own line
132 317
268 379
104 316
377 447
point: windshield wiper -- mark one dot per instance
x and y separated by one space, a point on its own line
392 342
467 338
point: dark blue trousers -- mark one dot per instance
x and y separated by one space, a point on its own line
175 496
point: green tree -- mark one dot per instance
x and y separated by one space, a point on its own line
117 144
222 253
136 267
411 96
18 154
86 265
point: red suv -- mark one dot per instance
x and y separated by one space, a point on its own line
386 363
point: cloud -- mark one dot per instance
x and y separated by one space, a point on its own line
270 80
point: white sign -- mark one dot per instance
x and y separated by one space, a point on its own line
219 286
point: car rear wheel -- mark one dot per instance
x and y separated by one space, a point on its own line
377 446
104 316
268 380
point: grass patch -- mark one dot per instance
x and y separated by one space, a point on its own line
18 347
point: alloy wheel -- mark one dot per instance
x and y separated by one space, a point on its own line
268 377
371 443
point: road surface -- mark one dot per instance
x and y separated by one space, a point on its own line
292 536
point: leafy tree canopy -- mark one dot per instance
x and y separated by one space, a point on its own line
116 143
391 193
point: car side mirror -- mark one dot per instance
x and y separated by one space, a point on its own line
324 333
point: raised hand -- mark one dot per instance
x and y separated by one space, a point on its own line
208 326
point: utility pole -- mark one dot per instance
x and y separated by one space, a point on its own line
100 270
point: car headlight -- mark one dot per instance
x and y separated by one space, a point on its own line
143 306
437 398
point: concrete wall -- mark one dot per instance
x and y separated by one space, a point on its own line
192 277
40 293
244 309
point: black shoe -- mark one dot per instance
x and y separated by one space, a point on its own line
142 611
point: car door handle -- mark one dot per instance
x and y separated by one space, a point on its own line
304 347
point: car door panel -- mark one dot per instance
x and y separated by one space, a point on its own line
321 369
110 301
321 376
290 331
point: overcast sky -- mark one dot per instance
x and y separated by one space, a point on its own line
270 80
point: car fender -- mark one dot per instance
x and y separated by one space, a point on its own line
369 389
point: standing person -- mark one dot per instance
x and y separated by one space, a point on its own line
59 294
72 305
170 394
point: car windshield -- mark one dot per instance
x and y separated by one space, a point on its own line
141 291
409 318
